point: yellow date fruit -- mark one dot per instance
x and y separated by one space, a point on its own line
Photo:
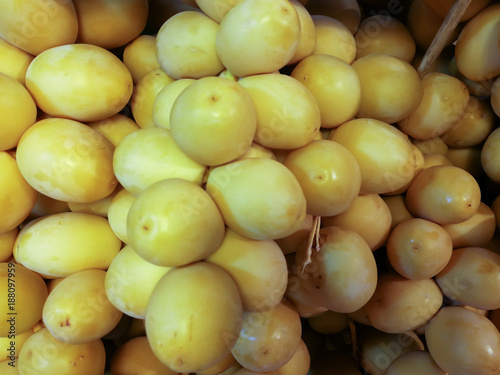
258 198
61 244
77 310
174 222
213 120
471 353
471 277
274 23
193 317
18 111
17 197
401 305
43 354
66 160
342 275
185 46
130 280
82 82
329 175
258 268
35 26
444 194
23 293
268 339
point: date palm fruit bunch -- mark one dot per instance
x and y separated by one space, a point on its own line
242 187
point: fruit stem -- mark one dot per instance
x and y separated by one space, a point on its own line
447 27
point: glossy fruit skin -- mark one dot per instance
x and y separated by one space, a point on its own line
268 339
472 277
478 35
328 174
213 121
17 196
391 89
444 194
77 310
194 317
66 160
174 222
18 109
258 268
23 293
274 205
443 105
136 355
395 295
185 46
419 249
335 86
36 26
368 215
383 169
469 352
43 354
82 82
342 276
418 362
57 245
288 116
130 281
151 155
275 23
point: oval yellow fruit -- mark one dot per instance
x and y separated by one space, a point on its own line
45 355
258 198
17 197
61 244
77 310
23 294
82 82
18 111
193 317
174 222
66 160
274 25
130 280
35 26
213 120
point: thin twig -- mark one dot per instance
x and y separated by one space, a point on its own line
313 237
447 27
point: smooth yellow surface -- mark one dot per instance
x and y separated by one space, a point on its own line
185 46
82 82
258 268
174 222
130 280
150 155
67 161
35 26
44 355
193 317
27 297
17 197
335 86
77 311
15 61
258 198
288 115
258 36
110 24
213 120
62 244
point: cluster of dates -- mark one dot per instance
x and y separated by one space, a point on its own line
239 187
